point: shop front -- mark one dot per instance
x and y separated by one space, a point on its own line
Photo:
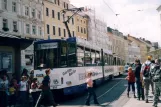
10 52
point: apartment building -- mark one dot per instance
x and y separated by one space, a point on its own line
81 26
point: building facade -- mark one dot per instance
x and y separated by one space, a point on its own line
54 18
143 48
118 43
133 51
23 19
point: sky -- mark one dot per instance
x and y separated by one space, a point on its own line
136 17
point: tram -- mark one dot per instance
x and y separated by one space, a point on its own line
70 60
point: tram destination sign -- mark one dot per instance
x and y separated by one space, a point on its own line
46 46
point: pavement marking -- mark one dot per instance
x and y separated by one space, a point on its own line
107 91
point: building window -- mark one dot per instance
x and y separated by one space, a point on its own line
39 14
53 13
47 11
58 2
81 30
13 6
48 29
73 34
53 30
59 30
5 23
64 4
14 26
27 28
26 10
63 17
55 1
6 61
58 15
73 21
84 31
64 33
67 6
4 5
40 31
33 13
34 30
78 28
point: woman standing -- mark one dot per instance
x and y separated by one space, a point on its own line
91 91
131 81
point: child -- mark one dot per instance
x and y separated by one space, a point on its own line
13 92
131 81
23 90
91 91
35 94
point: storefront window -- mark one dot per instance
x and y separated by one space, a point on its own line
6 61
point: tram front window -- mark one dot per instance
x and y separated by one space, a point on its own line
46 58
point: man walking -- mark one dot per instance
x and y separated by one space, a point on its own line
145 70
156 76
140 90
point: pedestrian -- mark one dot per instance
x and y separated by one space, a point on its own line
13 92
4 91
34 92
90 88
156 76
145 75
131 81
46 93
140 89
23 91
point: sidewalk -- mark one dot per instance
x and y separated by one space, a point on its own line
132 102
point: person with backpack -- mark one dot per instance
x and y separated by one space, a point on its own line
140 89
156 77
145 72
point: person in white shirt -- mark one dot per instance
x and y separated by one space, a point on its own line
91 91
3 91
23 90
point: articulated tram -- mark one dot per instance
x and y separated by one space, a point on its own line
70 60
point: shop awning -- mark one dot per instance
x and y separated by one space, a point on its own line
9 39
2 34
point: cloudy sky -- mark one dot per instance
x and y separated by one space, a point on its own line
136 17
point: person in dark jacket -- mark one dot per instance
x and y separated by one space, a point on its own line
46 93
140 90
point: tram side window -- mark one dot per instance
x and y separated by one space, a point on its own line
98 59
114 61
80 56
46 58
63 58
93 56
87 58
72 59
106 59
